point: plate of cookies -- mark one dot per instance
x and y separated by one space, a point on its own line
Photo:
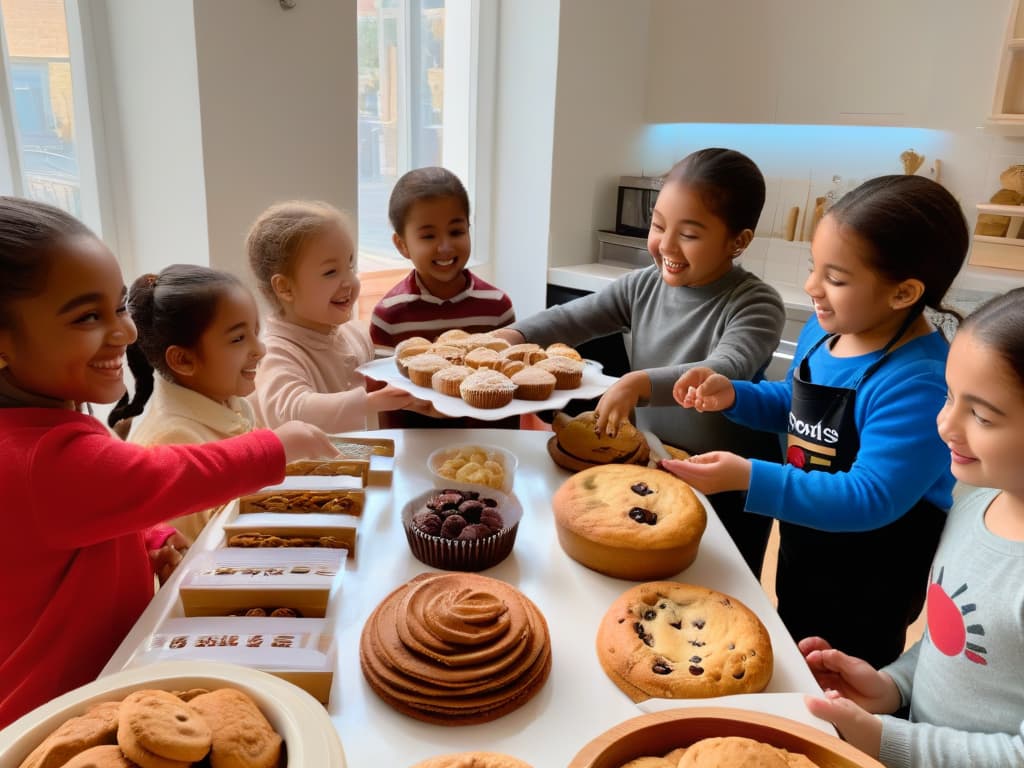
182 712
483 376
713 736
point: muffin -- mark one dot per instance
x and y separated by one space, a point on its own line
482 357
447 380
459 529
629 522
487 389
670 640
486 340
416 345
563 350
533 384
530 354
568 372
455 334
510 367
453 353
423 367
455 649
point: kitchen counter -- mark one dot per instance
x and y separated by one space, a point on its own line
578 702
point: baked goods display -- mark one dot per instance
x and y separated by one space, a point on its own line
336 502
258 539
472 760
725 752
577 444
492 365
461 530
157 729
670 640
629 522
330 468
455 649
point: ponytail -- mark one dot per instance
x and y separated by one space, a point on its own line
129 407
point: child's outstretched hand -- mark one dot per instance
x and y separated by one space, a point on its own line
850 677
860 728
166 559
620 398
711 472
304 441
704 390
389 398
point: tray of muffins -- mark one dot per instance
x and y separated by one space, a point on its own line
485 377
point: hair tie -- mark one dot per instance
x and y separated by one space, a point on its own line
151 279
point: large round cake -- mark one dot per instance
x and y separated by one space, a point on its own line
455 648
629 522
669 640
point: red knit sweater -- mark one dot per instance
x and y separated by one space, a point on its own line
74 572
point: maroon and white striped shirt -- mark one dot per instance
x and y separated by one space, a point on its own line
409 309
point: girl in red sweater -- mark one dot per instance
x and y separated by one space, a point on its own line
78 502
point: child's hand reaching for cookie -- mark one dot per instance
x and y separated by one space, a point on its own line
704 390
619 400
165 559
712 472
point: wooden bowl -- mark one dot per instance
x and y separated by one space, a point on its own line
660 732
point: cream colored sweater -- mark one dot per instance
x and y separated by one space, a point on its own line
311 376
175 415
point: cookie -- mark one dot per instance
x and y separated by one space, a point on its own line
676 641
242 737
472 760
96 727
582 446
107 756
629 522
734 751
158 729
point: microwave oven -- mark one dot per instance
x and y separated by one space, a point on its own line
636 204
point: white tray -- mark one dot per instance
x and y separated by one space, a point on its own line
594 385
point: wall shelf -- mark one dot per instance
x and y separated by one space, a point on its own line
1000 252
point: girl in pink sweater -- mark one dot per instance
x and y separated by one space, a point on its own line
303 257
78 501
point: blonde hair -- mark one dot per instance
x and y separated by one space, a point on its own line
278 234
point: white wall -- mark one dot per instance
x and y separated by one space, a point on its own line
278 97
149 90
220 109
598 113
524 131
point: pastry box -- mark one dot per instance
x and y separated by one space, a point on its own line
355 468
285 530
292 582
378 451
335 501
301 651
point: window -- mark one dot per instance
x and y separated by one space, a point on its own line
416 82
45 130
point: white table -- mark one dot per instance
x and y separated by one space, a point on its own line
578 702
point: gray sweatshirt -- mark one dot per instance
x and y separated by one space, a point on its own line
964 679
731 325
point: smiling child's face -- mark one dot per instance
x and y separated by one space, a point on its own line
982 421
435 239
68 342
322 290
691 245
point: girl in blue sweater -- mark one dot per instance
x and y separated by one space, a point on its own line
863 494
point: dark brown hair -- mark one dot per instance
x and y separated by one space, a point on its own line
423 184
276 237
29 233
730 184
914 228
999 324
171 309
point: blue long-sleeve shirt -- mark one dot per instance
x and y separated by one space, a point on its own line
901 458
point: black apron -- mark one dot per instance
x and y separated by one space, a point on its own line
858 590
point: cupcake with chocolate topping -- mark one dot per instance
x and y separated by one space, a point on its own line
461 529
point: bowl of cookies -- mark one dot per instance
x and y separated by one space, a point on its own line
473 464
175 713
717 736
470 528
